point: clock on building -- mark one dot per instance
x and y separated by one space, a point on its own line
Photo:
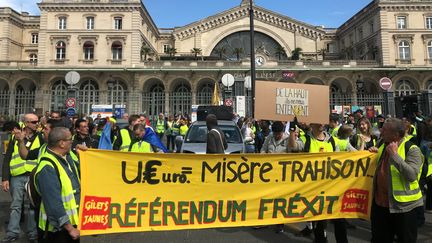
259 60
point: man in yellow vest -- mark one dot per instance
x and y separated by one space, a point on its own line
138 144
59 189
160 126
125 135
396 190
16 174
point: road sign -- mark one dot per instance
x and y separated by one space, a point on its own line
228 80
70 102
288 74
70 112
385 83
228 102
72 77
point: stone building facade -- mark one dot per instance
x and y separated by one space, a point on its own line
124 58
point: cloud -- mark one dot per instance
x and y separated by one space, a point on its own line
22 5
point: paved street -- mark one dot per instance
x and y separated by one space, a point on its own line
246 234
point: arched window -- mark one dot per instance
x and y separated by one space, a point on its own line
88 96
181 99
154 101
33 58
405 88
430 85
88 50
117 92
205 94
58 95
404 50
429 48
116 50
60 50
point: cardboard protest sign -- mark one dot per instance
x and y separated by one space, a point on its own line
132 192
282 101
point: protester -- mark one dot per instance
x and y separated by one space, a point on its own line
125 135
363 139
82 136
216 142
334 124
318 141
249 135
160 126
396 187
138 144
170 133
58 218
16 174
277 141
343 137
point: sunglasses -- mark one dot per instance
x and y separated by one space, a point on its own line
33 122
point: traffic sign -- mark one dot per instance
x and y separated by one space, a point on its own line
70 102
288 74
72 77
228 80
228 102
385 83
70 112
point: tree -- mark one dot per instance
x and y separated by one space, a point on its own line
220 51
280 51
238 51
296 53
145 50
196 52
172 51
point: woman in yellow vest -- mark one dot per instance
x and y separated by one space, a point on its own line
363 139
138 144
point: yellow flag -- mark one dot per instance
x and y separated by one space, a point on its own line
215 97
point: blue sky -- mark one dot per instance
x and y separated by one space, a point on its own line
171 13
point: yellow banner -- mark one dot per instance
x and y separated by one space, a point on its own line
130 192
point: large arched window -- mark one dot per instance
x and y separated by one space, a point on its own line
116 50
404 50
429 48
181 99
4 97
88 96
88 50
60 50
429 85
117 92
59 95
405 88
205 93
154 100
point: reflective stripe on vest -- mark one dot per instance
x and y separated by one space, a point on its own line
67 194
126 140
19 166
160 126
402 190
141 147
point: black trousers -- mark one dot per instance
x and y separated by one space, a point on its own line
340 231
57 237
386 225
170 141
429 194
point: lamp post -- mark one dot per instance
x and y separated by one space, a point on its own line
252 50
110 84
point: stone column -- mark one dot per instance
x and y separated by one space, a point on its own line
12 98
167 106
427 103
389 104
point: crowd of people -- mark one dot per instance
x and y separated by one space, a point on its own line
48 147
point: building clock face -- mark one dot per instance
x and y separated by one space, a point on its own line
259 60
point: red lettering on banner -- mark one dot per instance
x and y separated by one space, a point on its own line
355 200
95 213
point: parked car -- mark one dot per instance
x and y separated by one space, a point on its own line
196 138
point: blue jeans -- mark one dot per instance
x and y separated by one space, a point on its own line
19 196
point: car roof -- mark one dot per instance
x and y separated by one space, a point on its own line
220 122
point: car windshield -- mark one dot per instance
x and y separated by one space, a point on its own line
198 134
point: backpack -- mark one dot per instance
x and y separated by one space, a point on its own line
30 187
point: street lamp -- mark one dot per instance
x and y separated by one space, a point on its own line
360 85
110 84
